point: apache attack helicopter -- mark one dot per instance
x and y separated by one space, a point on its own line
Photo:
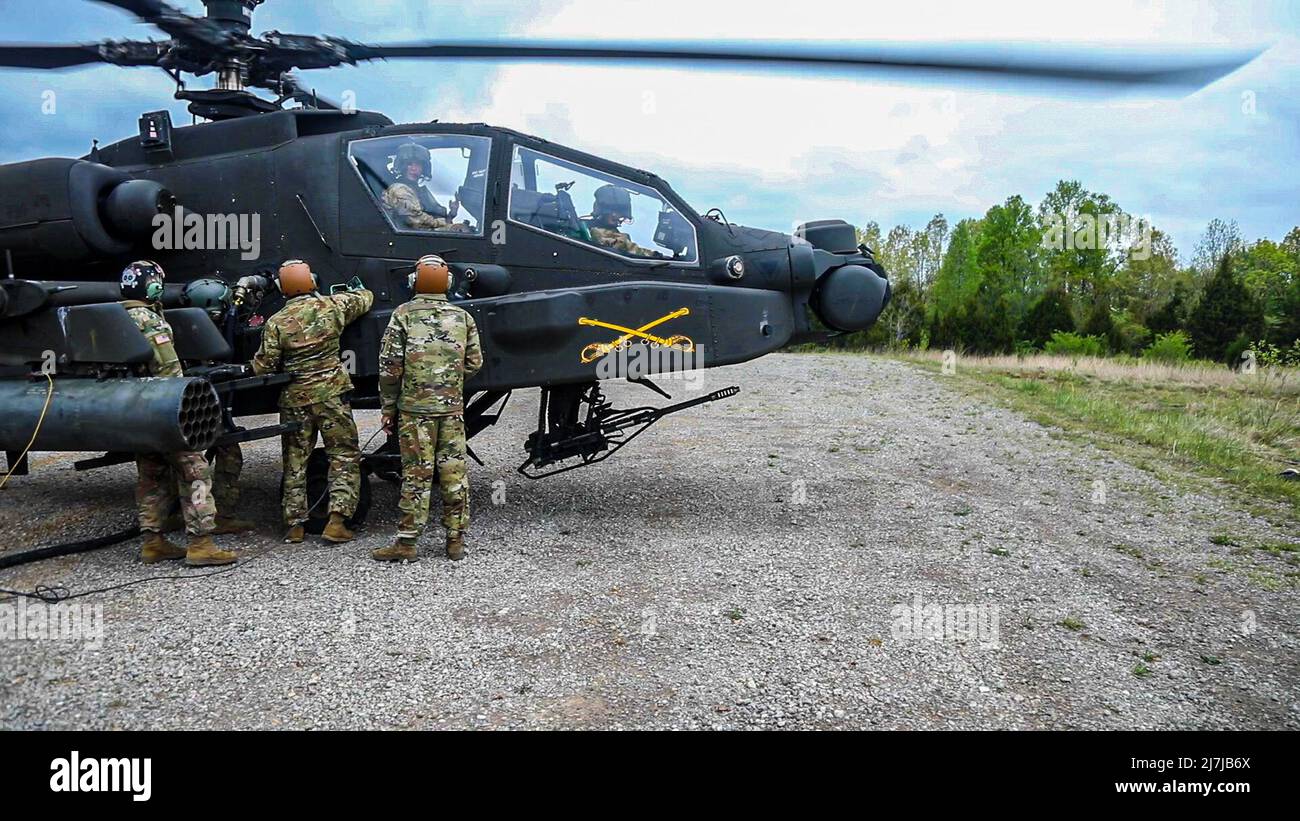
506 209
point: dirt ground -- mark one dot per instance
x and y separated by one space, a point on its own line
849 543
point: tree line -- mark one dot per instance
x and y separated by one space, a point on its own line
1078 274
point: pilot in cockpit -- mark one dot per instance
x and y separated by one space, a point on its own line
612 208
410 201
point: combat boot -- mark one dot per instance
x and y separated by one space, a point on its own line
336 531
203 551
157 549
402 550
295 535
455 546
231 524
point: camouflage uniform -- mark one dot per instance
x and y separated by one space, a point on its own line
403 201
616 240
227 465
158 486
303 339
429 348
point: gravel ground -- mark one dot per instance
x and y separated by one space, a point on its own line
755 563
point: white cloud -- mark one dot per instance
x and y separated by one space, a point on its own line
901 147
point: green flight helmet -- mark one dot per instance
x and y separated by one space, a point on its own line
210 294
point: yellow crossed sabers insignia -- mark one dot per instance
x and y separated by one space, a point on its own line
598 349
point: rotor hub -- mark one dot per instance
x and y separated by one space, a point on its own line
237 14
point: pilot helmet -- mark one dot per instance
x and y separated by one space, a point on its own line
210 294
143 280
408 153
610 199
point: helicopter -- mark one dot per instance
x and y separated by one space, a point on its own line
254 181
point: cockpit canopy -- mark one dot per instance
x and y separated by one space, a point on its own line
437 184
427 183
573 201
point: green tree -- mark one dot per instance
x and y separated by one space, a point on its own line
954 285
1225 315
1051 313
1270 272
1288 329
929 246
1149 277
1100 323
1171 316
870 236
1007 257
1220 239
1082 238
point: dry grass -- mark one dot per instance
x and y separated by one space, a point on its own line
1279 382
1189 419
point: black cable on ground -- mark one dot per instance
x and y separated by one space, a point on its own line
59 593
67 548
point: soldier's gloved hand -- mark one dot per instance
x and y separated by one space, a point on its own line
389 423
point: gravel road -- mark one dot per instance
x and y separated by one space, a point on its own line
851 542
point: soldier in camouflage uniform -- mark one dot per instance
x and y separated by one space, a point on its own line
410 203
613 206
215 297
430 348
302 339
227 466
164 476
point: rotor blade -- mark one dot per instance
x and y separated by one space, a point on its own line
173 21
144 9
1084 64
49 56
114 52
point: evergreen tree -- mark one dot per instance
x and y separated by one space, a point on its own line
1225 315
1101 324
1171 317
1051 313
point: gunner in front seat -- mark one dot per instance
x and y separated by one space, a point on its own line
612 208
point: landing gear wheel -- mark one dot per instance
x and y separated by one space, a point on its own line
318 488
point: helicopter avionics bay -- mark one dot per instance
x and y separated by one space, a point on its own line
180 231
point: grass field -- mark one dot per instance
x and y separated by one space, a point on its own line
1192 420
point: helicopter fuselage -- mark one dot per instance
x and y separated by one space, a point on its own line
544 294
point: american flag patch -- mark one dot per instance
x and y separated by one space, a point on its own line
162 339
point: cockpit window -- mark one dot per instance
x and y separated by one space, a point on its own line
426 183
596 208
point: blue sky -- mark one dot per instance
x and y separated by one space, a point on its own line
772 150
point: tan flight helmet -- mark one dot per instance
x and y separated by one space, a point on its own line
431 275
296 278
